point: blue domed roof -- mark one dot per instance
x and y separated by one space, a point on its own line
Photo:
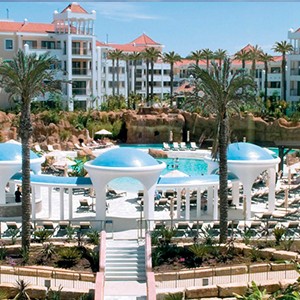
124 158
247 151
13 152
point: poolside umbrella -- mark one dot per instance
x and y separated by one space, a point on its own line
103 132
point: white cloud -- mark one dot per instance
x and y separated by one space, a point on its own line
121 11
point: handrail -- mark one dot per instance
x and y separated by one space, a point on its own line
100 278
151 289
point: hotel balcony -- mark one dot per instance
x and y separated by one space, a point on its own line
81 52
40 51
295 71
81 72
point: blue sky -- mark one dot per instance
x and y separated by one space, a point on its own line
180 26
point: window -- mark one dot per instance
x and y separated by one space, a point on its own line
48 44
9 45
79 88
32 44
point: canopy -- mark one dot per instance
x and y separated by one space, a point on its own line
103 132
175 173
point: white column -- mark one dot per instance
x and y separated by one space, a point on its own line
149 202
236 193
216 203
210 200
198 203
272 183
178 196
50 202
61 199
247 198
12 187
33 210
38 192
187 204
70 203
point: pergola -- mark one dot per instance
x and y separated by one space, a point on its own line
247 161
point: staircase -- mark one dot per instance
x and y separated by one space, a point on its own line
125 261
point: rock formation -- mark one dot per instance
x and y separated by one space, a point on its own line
145 126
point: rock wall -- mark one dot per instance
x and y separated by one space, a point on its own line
147 126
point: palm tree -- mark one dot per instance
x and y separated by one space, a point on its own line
135 57
127 58
266 58
196 56
220 55
254 55
115 56
283 47
24 78
242 55
151 55
112 55
222 94
207 54
171 58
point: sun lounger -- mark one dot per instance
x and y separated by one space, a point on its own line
166 147
50 148
110 194
77 147
193 146
183 146
175 146
38 148
84 204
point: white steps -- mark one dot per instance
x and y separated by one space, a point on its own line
125 261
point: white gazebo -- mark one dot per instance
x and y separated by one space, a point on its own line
124 162
247 161
10 164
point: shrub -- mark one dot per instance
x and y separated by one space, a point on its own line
279 232
93 237
42 235
68 257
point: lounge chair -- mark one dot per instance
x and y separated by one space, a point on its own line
77 147
183 146
175 146
85 227
193 146
50 148
38 148
166 147
84 204
110 194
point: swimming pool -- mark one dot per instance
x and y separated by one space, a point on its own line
191 167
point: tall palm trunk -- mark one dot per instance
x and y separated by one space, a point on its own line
118 77
171 80
283 77
152 80
223 190
147 80
25 132
135 73
128 83
266 82
113 77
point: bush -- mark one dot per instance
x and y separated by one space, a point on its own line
68 257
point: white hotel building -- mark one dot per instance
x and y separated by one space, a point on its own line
71 37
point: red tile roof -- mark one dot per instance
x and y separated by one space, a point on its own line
75 8
26 27
185 87
144 40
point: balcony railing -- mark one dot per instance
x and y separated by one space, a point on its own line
81 51
294 92
79 91
80 71
295 71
